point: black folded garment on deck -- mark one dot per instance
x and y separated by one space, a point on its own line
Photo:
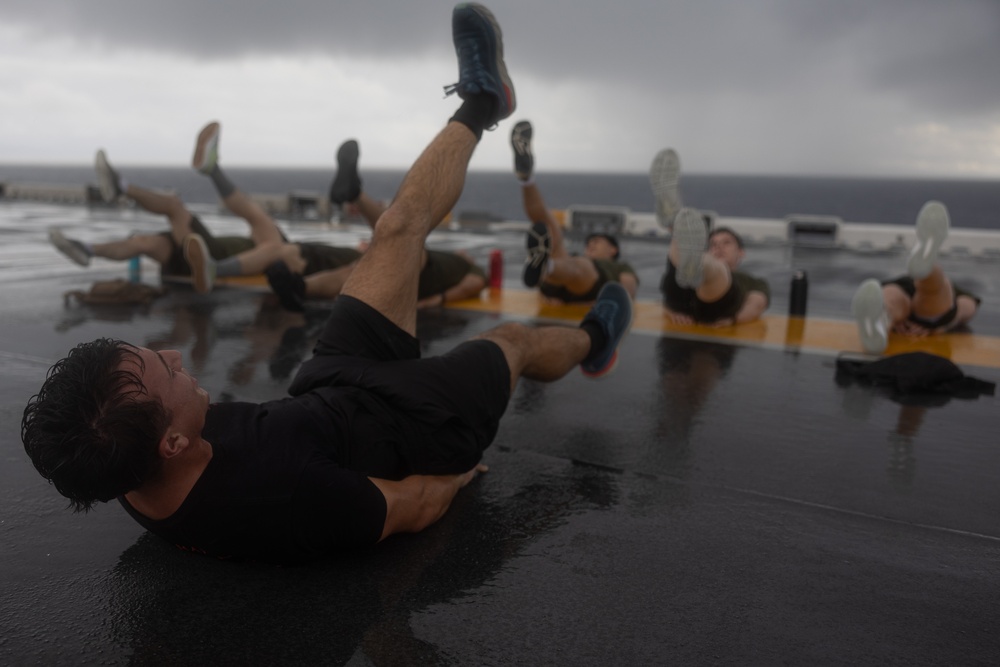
914 378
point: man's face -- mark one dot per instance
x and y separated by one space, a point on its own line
723 246
165 379
600 248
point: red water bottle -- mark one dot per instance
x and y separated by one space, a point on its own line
496 269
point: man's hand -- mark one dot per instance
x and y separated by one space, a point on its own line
417 501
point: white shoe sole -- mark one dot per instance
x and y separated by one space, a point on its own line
932 230
198 258
691 238
206 151
664 177
105 178
869 314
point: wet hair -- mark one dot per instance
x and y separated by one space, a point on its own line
727 230
607 237
92 429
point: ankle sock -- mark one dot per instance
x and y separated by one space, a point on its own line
222 184
229 266
598 339
476 113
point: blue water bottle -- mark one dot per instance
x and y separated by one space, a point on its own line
134 270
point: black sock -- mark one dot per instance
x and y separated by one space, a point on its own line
222 184
476 113
598 339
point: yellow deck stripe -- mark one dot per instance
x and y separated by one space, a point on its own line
815 334
805 334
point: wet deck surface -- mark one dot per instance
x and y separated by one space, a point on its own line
720 499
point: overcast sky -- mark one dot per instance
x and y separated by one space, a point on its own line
811 87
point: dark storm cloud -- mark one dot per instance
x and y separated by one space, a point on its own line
933 53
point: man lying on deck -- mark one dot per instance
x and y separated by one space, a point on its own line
169 249
444 276
373 440
702 284
921 303
559 275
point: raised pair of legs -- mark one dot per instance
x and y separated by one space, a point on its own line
548 259
879 309
155 246
697 269
385 276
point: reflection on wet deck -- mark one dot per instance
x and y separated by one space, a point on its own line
723 497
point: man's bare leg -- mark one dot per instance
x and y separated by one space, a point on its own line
386 275
154 246
168 205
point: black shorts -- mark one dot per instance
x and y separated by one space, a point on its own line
685 300
219 247
907 284
321 257
456 399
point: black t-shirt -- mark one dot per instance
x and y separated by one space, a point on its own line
278 487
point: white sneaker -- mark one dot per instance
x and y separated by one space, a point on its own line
206 149
664 176
691 236
869 313
107 178
70 247
932 230
201 263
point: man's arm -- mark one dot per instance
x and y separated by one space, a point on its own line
417 501
753 307
630 283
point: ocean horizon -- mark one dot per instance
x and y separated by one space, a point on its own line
971 203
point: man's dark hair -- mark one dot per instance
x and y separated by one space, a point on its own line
92 430
607 237
727 230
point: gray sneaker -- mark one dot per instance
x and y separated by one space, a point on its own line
72 248
691 237
932 230
664 177
206 149
868 310
107 178
201 263
520 141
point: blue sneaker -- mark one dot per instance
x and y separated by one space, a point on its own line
481 70
613 311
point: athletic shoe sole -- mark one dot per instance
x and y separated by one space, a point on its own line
664 177
206 149
538 254
691 238
613 310
868 310
107 178
198 258
70 248
346 186
932 230
520 141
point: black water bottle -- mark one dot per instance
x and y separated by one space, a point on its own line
799 294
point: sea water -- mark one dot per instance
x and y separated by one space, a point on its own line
971 204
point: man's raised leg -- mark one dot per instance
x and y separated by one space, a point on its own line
386 275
